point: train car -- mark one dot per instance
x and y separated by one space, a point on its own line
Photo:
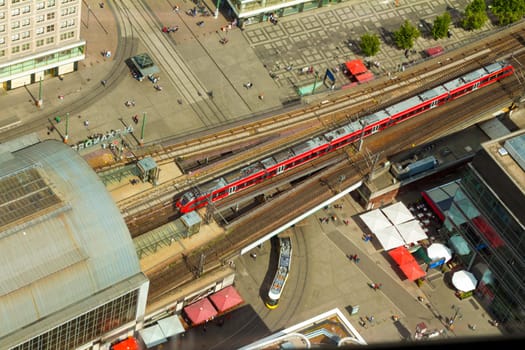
342 136
281 275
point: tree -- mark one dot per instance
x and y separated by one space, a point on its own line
440 27
369 44
508 11
405 36
475 15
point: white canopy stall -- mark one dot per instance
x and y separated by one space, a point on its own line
375 220
411 231
397 213
389 238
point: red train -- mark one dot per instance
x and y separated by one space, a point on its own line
318 146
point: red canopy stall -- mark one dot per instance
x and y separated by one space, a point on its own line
226 299
401 255
412 270
200 311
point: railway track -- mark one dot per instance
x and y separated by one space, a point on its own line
309 120
312 191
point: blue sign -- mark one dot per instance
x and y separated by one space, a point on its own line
436 263
330 75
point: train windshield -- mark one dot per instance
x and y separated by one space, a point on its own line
186 198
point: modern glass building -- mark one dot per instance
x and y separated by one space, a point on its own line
38 39
486 227
255 11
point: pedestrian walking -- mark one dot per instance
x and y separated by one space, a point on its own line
254 256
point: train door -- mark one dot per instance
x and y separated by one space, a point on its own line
434 103
231 190
280 169
374 129
476 86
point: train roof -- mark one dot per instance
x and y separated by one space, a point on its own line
453 84
433 93
475 75
343 130
374 118
283 155
244 172
308 145
493 67
268 162
403 105
212 185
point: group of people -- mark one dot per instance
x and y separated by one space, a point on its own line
354 258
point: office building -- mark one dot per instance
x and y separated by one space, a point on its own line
39 39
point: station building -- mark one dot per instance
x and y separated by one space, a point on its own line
70 275
39 39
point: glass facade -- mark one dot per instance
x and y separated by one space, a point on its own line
88 326
496 240
42 61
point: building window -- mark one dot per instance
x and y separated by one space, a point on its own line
40 5
15 49
50 28
25 35
40 18
50 15
26 22
26 46
15 1
15 37
40 42
2 2
50 40
2 41
2 53
2 28
15 25
15 12
39 31
50 3
26 9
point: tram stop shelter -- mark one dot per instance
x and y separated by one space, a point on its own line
143 65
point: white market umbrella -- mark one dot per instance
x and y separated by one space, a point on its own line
438 251
464 281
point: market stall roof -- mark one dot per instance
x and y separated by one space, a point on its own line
397 213
171 326
412 270
375 220
439 251
464 281
411 231
226 298
401 255
127 344
356 67
200 311
152 336
389 238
